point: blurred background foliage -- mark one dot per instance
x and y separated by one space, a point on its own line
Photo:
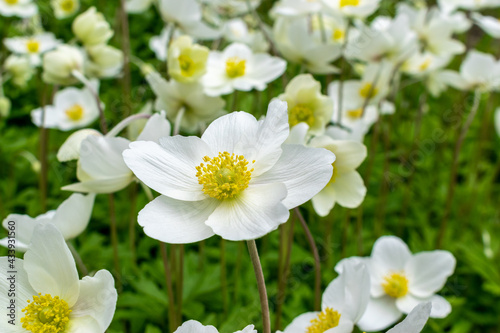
409 175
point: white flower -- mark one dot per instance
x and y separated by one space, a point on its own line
91 28
48 290
236 31
72 108
65 8
346 187
401 280
173 96
58 64
298 44
307 104
20 69
20 8
193 326
343 303
238 181
71 219
353 8
478 71
32 46
296 7
100 163
415 321
238 68
187 62
104 61
186 15
491 25
138 6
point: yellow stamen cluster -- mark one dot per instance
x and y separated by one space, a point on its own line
423 66
395 285
334 174
224 176
344 3
301 114
235 67
368 91
75 112
355 114
67 5
32 46
326 319
187 65
11 2
46 314
338 34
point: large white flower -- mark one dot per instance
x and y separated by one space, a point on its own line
174 97
193 326
49 293
238 181
20 8
72 108
490 24
71 218
33 46
401 280
238 68
343 303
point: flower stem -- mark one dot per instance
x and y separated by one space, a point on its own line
180 283
125 43
114 240
178 120
261 284
317 263
170 293
223 277
78 260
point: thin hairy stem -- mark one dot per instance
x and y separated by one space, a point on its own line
284 270
172 322
261 284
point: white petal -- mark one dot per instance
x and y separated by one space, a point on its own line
380 314
175 221
427 272
85 324
73 215
349 189
253 213
70 149
169 169
304 171
301 323
156 127
193 326
440 306
101 185
22 227
415 321
324 201
101 157
50 265
389 254
97 299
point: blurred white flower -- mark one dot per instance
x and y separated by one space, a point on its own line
193 326
72 108
422 64
91 28
174 97
65 8
352 8
401 280
104 61
138 6
238 68
48 290
490 24
237 31
307 104
296 7
33 46
20 8
71 219
238 181
58 64
19 67
187 62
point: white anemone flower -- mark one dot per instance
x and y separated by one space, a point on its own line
346 187
138 6
238 181
72 108
296 7
353 8
32 46
91 28
101 168
20 8
174 97
238 68
491 25
71 219
48 290
237 31
65 8
401 280
193 326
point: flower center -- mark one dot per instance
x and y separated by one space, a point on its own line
33 46
355 114
75 112
424 65
224 176
11 2
395 285
186 64
368 91
334 175
46 314
67 5
344 3
337 34
235 67
326 319
301 114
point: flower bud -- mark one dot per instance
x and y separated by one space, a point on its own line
59 64
104 61
91 28
19 68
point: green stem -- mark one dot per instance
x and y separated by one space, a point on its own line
78 260
223 277
114 240
172 322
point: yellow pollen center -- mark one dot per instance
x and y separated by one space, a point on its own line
11 2
344 3
224 176
334 175
67 5
395 285
46 314
75 112
424 65
235 67
301 114
355 114
33 46
187 65
368 91
337 34
326 319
